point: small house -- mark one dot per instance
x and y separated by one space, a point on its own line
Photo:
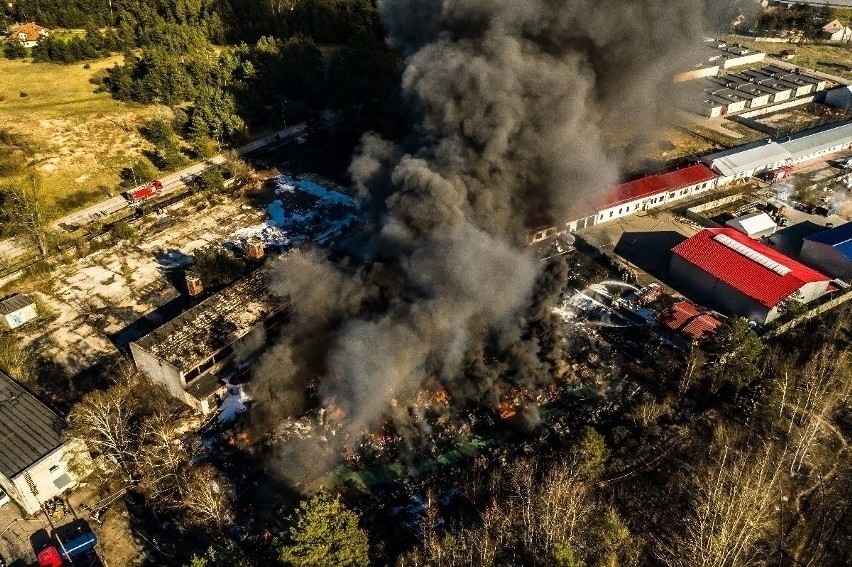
17 310
28 34
34 459
836 31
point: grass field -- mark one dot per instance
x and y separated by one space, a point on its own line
834 59
80 139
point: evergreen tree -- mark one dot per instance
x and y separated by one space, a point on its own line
324 533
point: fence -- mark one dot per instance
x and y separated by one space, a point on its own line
818 310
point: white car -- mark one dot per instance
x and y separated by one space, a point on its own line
4 498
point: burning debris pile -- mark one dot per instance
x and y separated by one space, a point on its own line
306 210
524 111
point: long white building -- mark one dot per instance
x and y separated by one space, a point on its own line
751 159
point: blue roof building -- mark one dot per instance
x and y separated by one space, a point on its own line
830 251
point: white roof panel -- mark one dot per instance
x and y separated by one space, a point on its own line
747 158
755 223
821 140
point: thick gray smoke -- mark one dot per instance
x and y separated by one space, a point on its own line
525 110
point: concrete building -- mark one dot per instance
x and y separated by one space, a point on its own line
191 354
29 34
830 251
755 225
17 310
34 461
741 276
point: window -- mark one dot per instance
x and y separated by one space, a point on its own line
61 478
636 208
619 210
610 214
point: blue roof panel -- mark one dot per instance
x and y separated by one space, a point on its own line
839 237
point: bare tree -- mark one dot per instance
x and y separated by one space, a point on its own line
807 405
27 210
732 515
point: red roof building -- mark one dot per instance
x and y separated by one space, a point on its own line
659 183
743 276
630 198
685 318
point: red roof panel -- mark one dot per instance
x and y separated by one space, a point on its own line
678 314
659 183
744 274
701 326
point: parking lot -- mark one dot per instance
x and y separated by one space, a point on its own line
643 240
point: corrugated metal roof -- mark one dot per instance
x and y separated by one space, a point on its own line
701 326
764 154
755 275
14 303
660 183
840 238
817 140
29 430
679 314
747 158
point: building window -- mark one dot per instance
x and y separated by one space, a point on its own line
619 210
636 208
610 214
60 477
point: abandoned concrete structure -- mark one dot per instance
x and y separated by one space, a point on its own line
193 353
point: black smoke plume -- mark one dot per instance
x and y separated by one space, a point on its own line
524 112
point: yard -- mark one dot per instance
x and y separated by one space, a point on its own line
79 140
834 59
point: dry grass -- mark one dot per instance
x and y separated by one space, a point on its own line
81 139
834 59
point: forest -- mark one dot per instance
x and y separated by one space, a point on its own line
230 65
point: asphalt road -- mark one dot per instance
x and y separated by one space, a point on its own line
13 248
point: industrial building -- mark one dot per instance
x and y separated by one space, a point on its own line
191 354
830 251
741 276
16 310
754 225
717 56
755 88
642 194
34 461
751 159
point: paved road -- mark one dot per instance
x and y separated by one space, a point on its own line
13 248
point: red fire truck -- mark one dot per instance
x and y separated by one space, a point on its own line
144 192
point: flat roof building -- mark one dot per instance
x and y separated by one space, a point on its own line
17 310
742 276
191 353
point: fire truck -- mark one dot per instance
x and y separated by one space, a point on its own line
144 192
